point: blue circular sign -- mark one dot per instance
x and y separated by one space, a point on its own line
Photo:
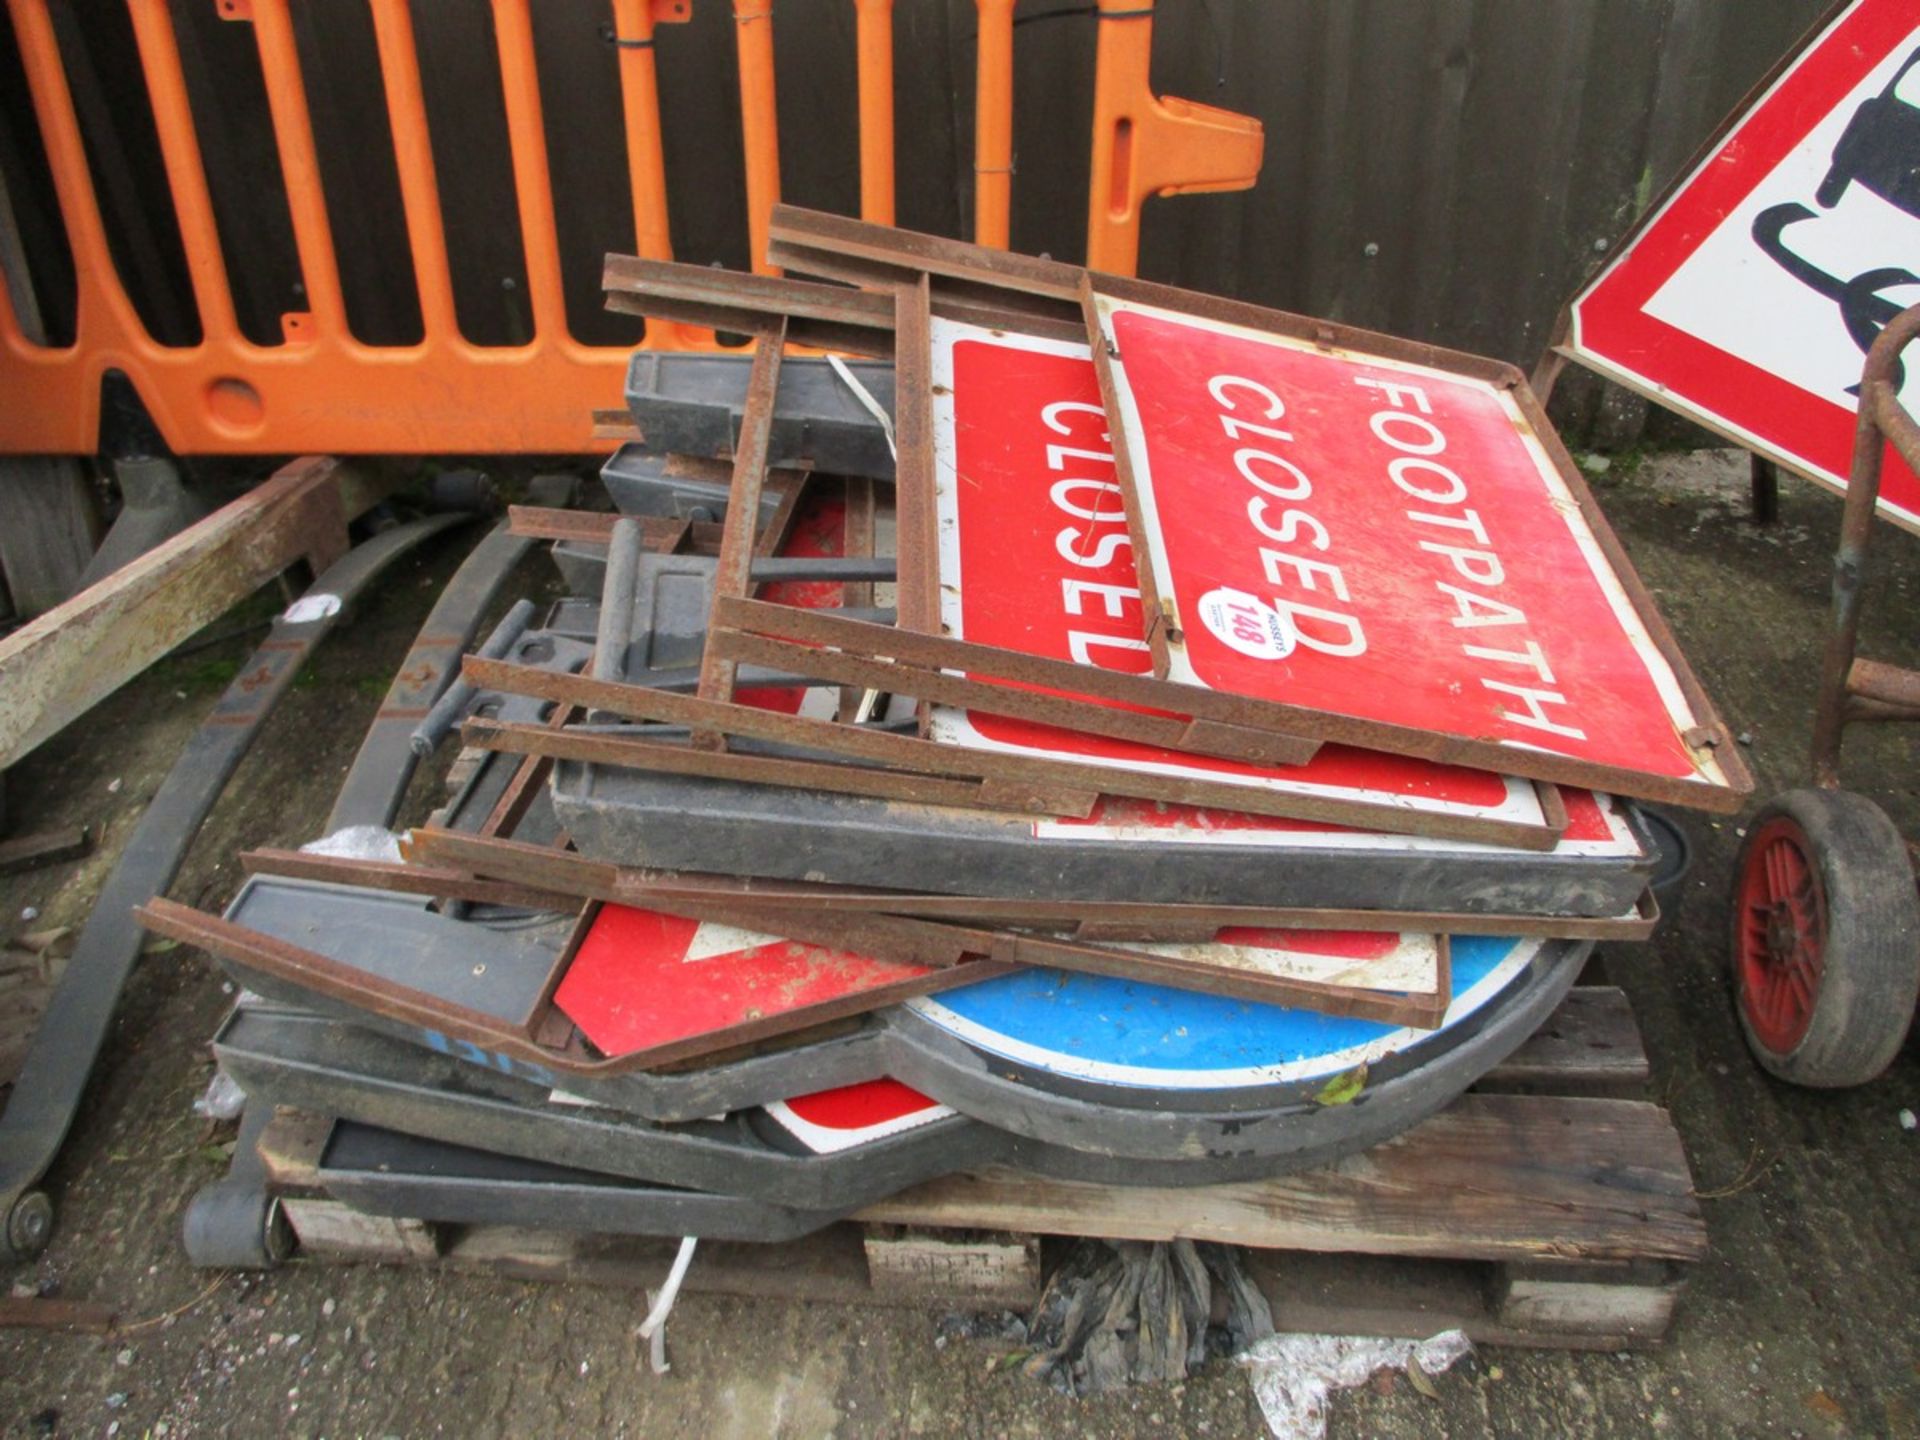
1121 1032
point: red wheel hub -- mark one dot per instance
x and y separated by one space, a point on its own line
1780 933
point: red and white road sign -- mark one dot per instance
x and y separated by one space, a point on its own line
1394 544
640 979
828 1122
1748 298
1028 507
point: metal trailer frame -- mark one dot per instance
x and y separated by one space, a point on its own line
1825 925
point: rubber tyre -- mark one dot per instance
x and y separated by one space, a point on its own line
29 1226
1825 939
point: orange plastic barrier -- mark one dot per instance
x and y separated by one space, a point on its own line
321 390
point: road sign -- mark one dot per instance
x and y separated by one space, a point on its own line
1121 1033
849 1116
1400 549
1034 556
640 979
1747 299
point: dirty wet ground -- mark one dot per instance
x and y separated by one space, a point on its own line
1802 1322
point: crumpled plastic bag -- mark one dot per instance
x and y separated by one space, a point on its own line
357 842
1293 1375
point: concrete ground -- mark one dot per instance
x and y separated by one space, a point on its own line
1802 1323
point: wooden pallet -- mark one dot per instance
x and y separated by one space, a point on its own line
1550 1206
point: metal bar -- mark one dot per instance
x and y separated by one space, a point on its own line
1160 627
1066 712
733 573
413 160
1025 784
941 652
300 167
395 877
859 532
670 758
916 518
640 110
731 290
585 527
907 940
186 173
376 782
759 120
1878 404
908 253
993 124
1101 920
873 40
532 180
357 988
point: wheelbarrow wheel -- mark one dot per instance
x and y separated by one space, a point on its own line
1826 939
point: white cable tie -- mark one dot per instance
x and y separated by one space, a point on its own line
653 1329
872 406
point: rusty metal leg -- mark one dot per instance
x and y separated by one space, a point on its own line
1766 490
1881 418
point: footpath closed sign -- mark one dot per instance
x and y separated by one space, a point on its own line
1748 298
1396 544
1035 557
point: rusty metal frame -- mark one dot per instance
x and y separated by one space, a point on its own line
567 1054
901 256
732 571
1853 690
844 648
910 940
1026 784
667 757
1099 921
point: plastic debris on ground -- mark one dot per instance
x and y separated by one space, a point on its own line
1293 1375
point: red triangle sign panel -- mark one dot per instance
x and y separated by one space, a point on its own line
830 1121
1749 296
640 979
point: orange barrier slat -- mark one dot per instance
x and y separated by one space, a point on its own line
640 107
413 160
533 184
186 172
99 296
993 125
873 21
759 120
300 165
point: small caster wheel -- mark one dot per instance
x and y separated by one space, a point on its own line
235 1226
29 1225
1825 939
